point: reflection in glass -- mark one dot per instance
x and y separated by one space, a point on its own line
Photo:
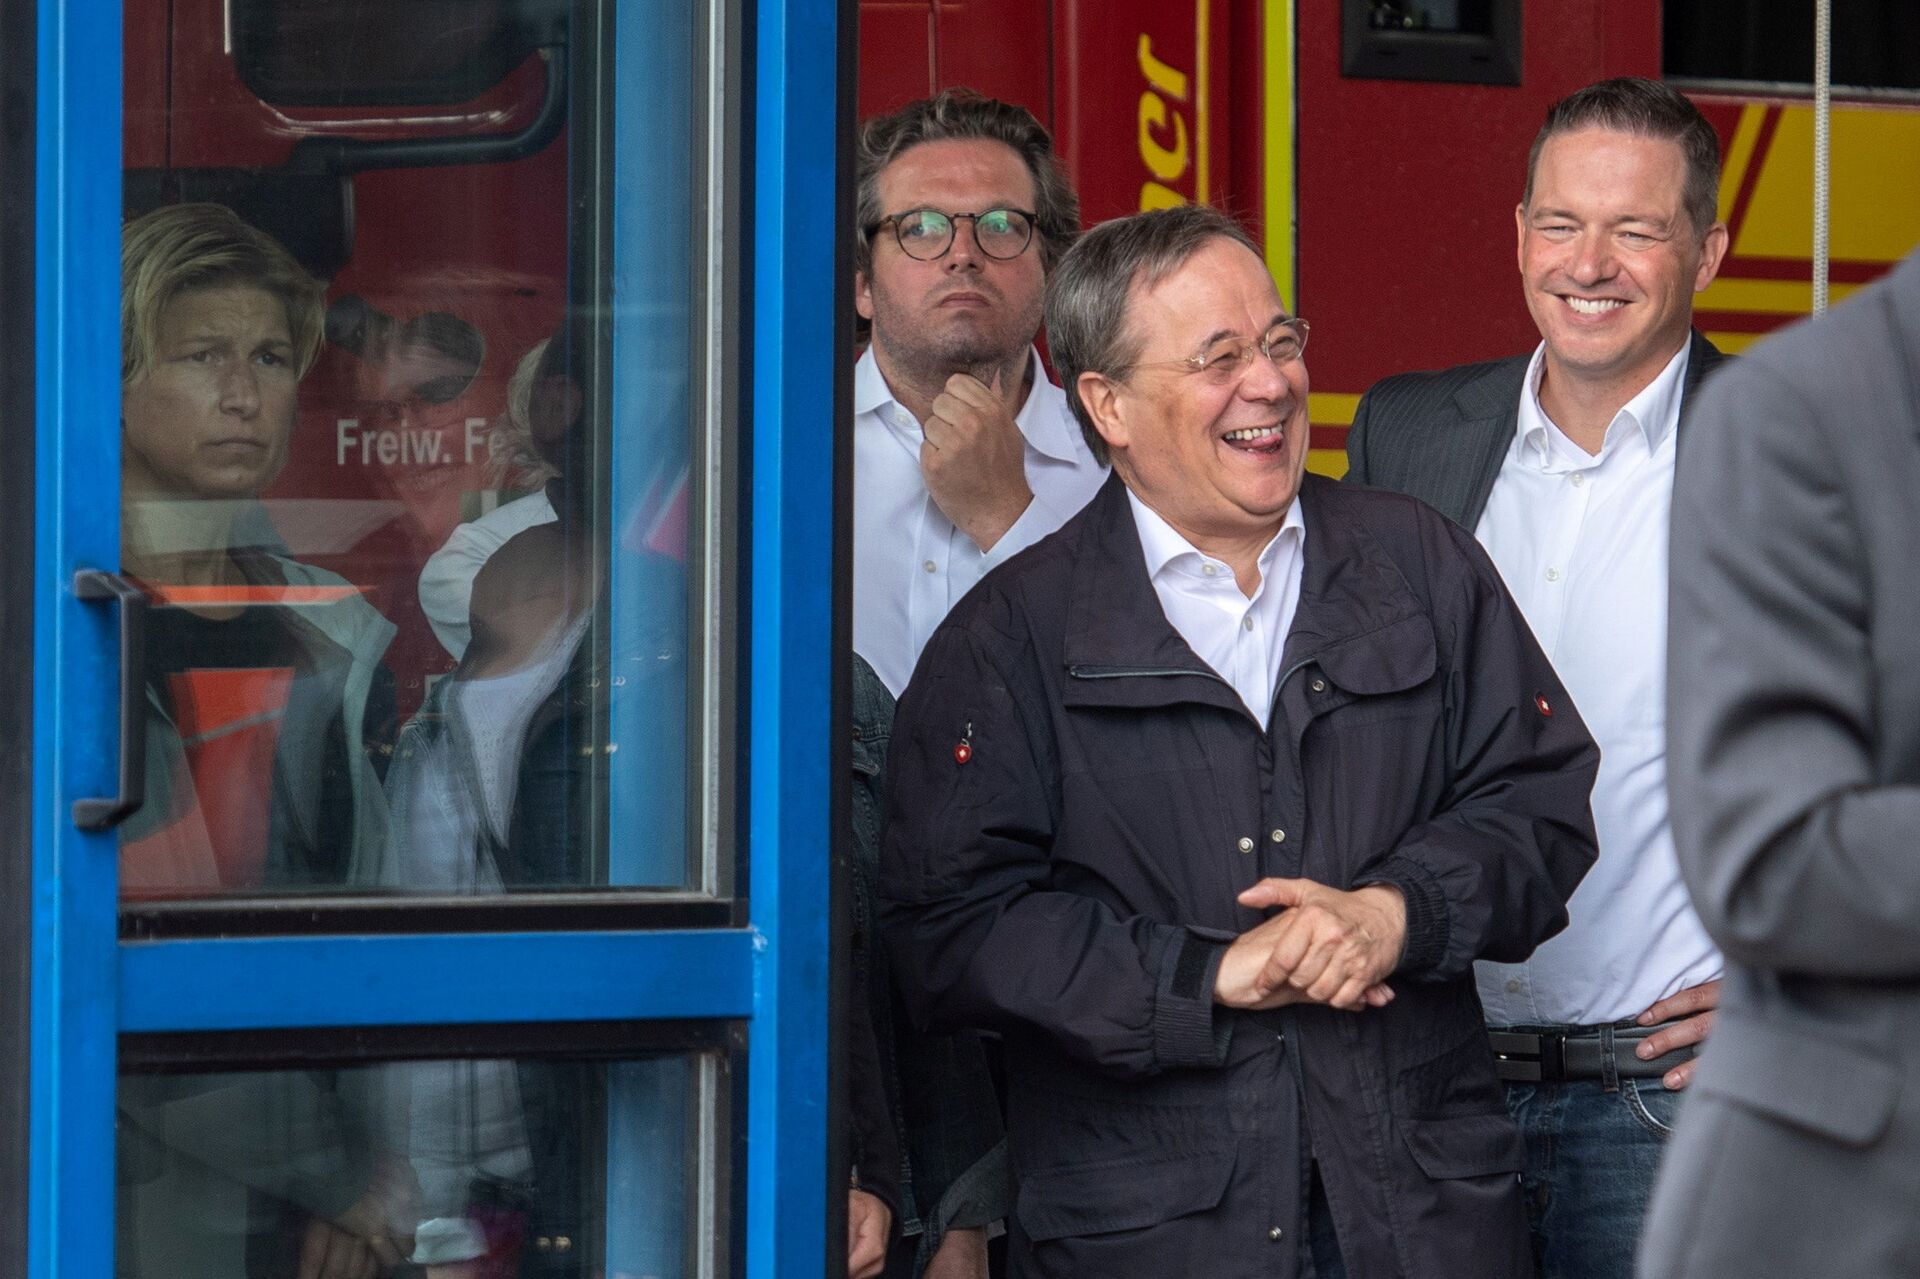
421 577
491 776
450 1169
266 696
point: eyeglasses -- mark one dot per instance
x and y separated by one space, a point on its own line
1226 362
926 235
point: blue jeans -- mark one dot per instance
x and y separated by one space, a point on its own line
1592 1152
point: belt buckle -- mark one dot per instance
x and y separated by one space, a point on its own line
1528 1058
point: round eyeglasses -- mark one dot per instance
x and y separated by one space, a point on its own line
926 235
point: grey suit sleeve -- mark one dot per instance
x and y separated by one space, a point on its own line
1799 860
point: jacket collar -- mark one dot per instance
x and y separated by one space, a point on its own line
1488 407
1703 357
1121 650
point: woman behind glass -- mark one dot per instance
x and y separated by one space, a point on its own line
260 674
261 669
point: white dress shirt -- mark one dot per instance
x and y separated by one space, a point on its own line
1581 541
446 581
910 564
1242 639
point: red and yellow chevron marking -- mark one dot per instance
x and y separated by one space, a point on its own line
1766 200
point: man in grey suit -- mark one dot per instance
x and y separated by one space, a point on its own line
1794 751
1562 464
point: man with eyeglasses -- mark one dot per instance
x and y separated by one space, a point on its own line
1210 801
964 454
964 451
1562 462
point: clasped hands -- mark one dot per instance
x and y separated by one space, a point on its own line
1325 946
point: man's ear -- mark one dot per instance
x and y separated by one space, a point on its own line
1106 406
863 296
1520 238
1713 248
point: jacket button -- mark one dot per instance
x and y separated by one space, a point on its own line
1279 836
1318 686
1275 1233
1246 844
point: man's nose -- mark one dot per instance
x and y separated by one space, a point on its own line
965 255
1592 258
1265 380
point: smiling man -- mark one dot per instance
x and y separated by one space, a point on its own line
1208 803
1562 463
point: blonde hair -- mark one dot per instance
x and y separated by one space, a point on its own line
515 458
199 246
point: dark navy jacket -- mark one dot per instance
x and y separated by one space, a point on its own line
1069 878
924 1101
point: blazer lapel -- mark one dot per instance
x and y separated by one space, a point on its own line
1702 359
1489 409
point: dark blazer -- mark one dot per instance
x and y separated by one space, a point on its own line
1793 728
1068 879
1442 436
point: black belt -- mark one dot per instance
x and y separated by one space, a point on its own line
1581 1052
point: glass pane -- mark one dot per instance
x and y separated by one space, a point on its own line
449 1169
1469 16
408 445
1876 43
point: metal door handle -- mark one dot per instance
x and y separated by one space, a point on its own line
105 814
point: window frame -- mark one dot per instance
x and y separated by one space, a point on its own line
765 969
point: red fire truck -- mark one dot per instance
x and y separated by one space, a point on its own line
1379 149
1376 149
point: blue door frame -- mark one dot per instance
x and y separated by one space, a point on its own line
87 986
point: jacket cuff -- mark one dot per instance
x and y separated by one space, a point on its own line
1429 918
1186 1031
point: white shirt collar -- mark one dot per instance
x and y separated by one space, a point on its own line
1655 410
1164 546
1054 435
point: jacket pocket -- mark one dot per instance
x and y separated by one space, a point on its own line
1093 1199
1801 1075
1465 1145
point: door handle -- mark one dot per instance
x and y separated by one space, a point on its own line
104 814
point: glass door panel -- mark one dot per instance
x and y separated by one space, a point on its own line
414 379
452 1168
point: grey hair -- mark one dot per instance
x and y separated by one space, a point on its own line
962 115
1643 109
1088 324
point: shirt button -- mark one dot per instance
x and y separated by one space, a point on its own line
1318 686
1276 1234
1513 985
1553 575
1246 844
1246 623
1279 836
930 566
1208 570
1579 478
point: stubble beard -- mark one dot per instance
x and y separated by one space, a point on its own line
926 357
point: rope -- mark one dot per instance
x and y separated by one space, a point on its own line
1822 146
